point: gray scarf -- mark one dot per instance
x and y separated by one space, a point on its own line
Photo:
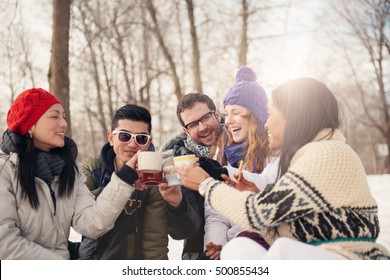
48 164
198 149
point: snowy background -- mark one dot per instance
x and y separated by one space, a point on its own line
380 188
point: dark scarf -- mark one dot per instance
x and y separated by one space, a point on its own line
48 164
233 154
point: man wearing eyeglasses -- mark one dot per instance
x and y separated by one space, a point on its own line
141 230
201 123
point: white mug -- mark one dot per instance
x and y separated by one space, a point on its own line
150 161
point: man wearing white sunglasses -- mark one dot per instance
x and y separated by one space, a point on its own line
141 230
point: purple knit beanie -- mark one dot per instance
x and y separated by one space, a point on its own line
249 94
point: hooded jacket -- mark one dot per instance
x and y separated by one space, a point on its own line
187 221
140 232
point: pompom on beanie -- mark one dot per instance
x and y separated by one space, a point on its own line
27 108
249 94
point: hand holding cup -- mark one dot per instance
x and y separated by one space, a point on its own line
191 175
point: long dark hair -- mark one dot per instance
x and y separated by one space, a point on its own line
308 106
26 170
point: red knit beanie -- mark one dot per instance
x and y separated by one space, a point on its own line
27 108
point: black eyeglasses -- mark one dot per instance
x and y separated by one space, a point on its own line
205 119
125 137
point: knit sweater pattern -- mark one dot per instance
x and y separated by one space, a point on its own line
323 199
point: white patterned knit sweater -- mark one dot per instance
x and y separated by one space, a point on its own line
323 199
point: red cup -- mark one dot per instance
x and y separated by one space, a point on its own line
151 178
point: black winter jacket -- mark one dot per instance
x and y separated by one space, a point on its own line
127 238
187 221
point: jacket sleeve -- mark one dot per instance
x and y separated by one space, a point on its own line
12 244
94 219
155 231
216 227
312 184
185 221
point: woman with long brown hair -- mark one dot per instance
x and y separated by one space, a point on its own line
244 141
321 206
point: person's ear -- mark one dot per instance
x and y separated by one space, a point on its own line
185 130
110 138
31 131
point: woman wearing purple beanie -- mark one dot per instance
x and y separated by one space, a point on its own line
244 140
320 207
245 106
43 192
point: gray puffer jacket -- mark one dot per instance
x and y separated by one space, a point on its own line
26 233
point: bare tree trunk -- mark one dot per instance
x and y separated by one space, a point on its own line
100 116
145 99
28 64
11 78
107 80
122 56
242 56
381 76
59 61
195 47
182 44
164 48
372 36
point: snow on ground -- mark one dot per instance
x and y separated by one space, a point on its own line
380 188
175 246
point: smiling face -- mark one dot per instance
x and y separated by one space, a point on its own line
237 122
49 131
275 124
125 151
206 133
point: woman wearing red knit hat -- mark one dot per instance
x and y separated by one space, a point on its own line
42 190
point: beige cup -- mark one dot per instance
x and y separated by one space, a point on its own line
150 161
187 159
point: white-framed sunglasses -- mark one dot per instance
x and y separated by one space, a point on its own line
141 139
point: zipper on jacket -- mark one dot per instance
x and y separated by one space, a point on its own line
53 197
